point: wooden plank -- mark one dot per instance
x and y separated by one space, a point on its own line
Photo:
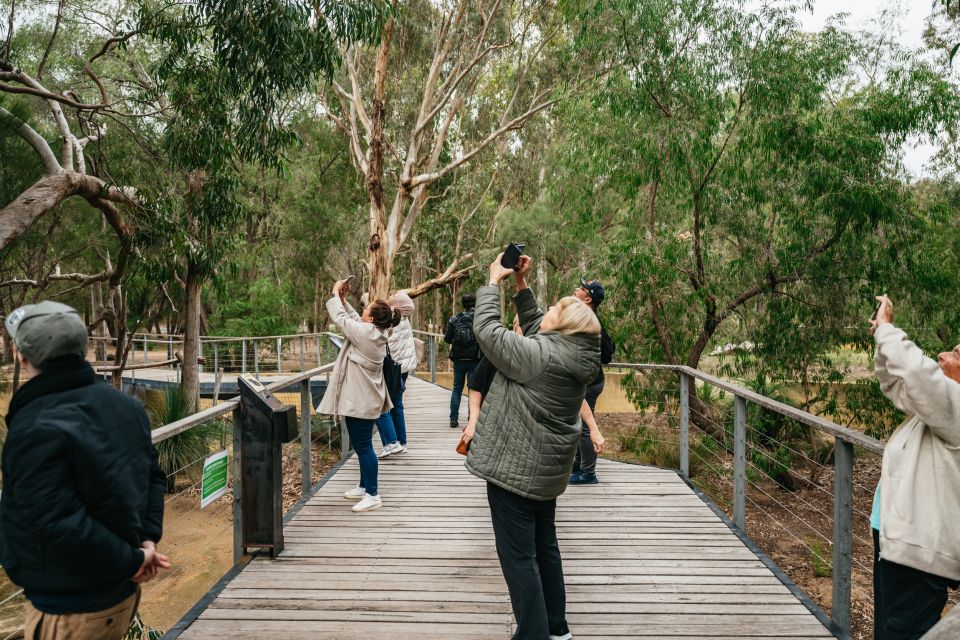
643 557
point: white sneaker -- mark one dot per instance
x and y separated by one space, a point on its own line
356 493
403 448
567 636
369 503
389 450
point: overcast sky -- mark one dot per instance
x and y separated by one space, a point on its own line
913 15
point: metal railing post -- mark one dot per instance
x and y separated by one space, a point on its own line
279 355
685 425
305 437
216 357
243 356
302 350
316 344
842 534
433 359
344 439
144 349
740 462
237 510
170 349
199 355
256 360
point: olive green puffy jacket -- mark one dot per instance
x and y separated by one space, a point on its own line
529 426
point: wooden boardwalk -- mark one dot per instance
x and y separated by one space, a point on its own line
644 557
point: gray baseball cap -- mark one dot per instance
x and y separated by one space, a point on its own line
47 330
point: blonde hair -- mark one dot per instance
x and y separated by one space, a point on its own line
576 316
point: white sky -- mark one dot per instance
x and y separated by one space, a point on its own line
912 17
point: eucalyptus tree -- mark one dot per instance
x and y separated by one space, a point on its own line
752 161
480 71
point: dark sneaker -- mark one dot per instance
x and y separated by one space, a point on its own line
574 477
454 425
584 478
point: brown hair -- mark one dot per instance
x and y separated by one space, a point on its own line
384 316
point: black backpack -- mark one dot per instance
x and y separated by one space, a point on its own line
465 345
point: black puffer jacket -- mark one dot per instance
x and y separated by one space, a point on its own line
82 489
529 426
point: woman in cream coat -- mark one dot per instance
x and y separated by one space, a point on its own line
357 391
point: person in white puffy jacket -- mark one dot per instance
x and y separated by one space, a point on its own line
400 361
917 504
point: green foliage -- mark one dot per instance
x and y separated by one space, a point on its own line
182 455
821 558
262 311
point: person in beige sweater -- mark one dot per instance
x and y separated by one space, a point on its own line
356 390
916 519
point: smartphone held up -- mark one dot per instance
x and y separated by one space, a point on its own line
511 256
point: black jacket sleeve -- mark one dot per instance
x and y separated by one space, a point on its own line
451 330
54 509
153 522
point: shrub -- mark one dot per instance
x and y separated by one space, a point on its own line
181 455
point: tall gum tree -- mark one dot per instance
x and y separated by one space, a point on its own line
483 83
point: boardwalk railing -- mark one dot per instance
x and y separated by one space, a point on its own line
273 355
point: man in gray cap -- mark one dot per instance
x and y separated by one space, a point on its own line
82 505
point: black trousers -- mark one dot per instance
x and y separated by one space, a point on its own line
530 560
907 602
586 458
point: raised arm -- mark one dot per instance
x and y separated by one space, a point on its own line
517 357
354 330
916 384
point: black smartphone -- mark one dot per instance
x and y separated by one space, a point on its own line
351 282
876 311
511 256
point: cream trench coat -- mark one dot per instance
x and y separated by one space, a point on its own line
356 386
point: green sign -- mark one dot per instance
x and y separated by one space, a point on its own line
215 474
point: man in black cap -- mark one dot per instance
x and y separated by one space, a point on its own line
81 511
585 464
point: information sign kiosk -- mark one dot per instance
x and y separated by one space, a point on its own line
266 423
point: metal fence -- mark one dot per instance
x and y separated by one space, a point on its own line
253 354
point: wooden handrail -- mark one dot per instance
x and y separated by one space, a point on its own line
185 424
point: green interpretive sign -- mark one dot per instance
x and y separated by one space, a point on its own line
215 475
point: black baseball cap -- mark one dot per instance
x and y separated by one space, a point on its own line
595 289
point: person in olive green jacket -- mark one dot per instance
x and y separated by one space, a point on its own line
526 439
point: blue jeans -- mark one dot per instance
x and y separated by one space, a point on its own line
392 425
461 370
361 437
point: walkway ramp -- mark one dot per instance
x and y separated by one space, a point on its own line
644 556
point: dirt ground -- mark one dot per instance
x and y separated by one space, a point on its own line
792 527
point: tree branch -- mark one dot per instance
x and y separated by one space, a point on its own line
513 124
47 192
50 163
